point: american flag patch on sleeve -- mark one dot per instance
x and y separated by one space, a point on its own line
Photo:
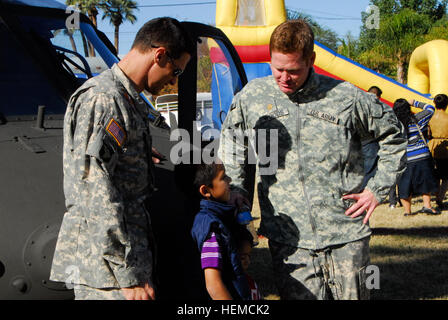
116 131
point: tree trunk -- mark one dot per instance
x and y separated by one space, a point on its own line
72 42
117 28
92 17
84 44
401 69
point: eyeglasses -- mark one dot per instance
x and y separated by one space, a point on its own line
177 71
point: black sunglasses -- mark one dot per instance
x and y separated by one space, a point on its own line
177 71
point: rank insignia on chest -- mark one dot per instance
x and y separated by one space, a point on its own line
279 113
322 115
114 129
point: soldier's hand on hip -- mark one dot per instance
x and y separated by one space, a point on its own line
145 292
365 201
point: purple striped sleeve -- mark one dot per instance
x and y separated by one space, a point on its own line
211 253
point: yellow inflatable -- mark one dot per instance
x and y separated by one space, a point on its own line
249 25
249 22
428 68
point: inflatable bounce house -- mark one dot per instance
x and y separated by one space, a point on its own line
249 24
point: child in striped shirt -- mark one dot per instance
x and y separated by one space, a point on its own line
215 231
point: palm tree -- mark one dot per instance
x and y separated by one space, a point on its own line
119 11
323 35
90 8
69 34
399 35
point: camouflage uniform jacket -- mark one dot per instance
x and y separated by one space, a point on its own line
105 237
320 129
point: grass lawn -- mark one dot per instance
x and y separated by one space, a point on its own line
410 252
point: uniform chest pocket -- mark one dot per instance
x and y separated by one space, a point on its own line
320 126
136 142
275 131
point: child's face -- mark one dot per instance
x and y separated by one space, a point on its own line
244 253
220 190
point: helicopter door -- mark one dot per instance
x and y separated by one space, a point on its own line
211 80
204 92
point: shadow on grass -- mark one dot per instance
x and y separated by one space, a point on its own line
427 232
411 273
413 279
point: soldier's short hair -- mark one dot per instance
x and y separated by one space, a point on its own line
190 174
293 36
164 32
441 101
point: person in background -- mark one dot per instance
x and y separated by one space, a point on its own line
438 145
370 151
370 147
419 177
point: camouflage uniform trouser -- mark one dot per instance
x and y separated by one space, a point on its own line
89 293
336 272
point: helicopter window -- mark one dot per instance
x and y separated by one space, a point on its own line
78 54
23 86
41 65
80 51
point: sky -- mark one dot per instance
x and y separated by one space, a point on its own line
341 16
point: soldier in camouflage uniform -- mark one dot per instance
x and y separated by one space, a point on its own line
105 246
313 209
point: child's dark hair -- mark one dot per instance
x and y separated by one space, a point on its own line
204 174
402 110
441 101
196 175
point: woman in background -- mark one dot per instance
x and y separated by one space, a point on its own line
419 177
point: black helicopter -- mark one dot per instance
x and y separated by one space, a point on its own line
42 62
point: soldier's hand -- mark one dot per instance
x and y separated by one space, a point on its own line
238 200
411 102
365 201
145 292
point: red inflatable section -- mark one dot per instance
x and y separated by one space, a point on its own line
248 54
257 54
